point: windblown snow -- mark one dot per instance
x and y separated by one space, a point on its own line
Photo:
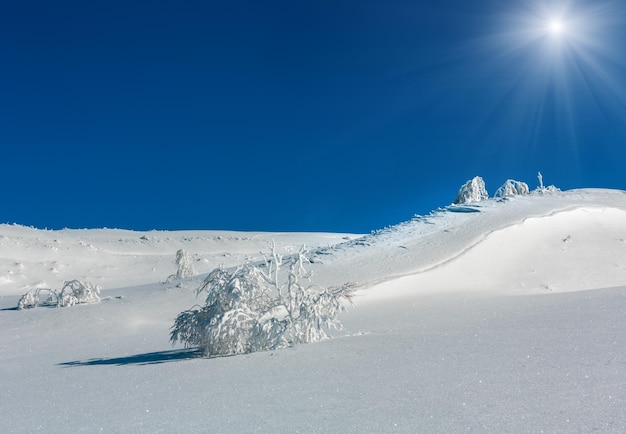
496 316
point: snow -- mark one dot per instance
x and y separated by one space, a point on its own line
473 191
502 316
512 188
114 258
536 255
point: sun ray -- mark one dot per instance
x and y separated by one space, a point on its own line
560 61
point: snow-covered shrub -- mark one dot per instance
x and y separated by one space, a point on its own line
472 191
541 189
29 300
512 188
32 298
73 292
77 292
550 189
254 309
184 265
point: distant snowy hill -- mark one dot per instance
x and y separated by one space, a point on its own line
496 316
114 258
539 238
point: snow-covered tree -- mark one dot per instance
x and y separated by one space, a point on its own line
73 292
78 292
255 308
542 189
512 188
472 191
184 264
32 298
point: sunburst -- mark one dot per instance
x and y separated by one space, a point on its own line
555 63
556 27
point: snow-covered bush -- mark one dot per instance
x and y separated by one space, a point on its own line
550 189
472 191
512 188
77 292
32 298
256 308
184 265
73 292
541 189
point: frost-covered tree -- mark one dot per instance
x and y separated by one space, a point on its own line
78 292
32 298
73 292
184 264
512 188
542 189
256 308
472 191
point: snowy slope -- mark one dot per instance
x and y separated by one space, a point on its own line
477 246
470 319
115 258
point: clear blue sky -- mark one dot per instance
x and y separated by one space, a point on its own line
299 116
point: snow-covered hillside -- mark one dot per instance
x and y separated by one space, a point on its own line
541 239
473 318
114 258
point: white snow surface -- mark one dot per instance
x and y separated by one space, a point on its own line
114 258
505 316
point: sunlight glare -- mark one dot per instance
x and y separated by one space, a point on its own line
558 62
556 27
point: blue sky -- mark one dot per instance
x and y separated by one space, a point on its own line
299 116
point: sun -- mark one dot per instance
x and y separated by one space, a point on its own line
557 64
556 27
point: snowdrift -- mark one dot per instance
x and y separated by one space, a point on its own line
579 249
472 318
563 241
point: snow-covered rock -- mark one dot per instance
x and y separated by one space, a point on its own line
472 191
512 188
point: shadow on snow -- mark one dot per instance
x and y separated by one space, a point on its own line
140 359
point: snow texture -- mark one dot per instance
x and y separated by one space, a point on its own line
508 318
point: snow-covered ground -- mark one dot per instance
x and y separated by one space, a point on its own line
496 317
114 258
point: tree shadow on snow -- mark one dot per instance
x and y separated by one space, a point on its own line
140 359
